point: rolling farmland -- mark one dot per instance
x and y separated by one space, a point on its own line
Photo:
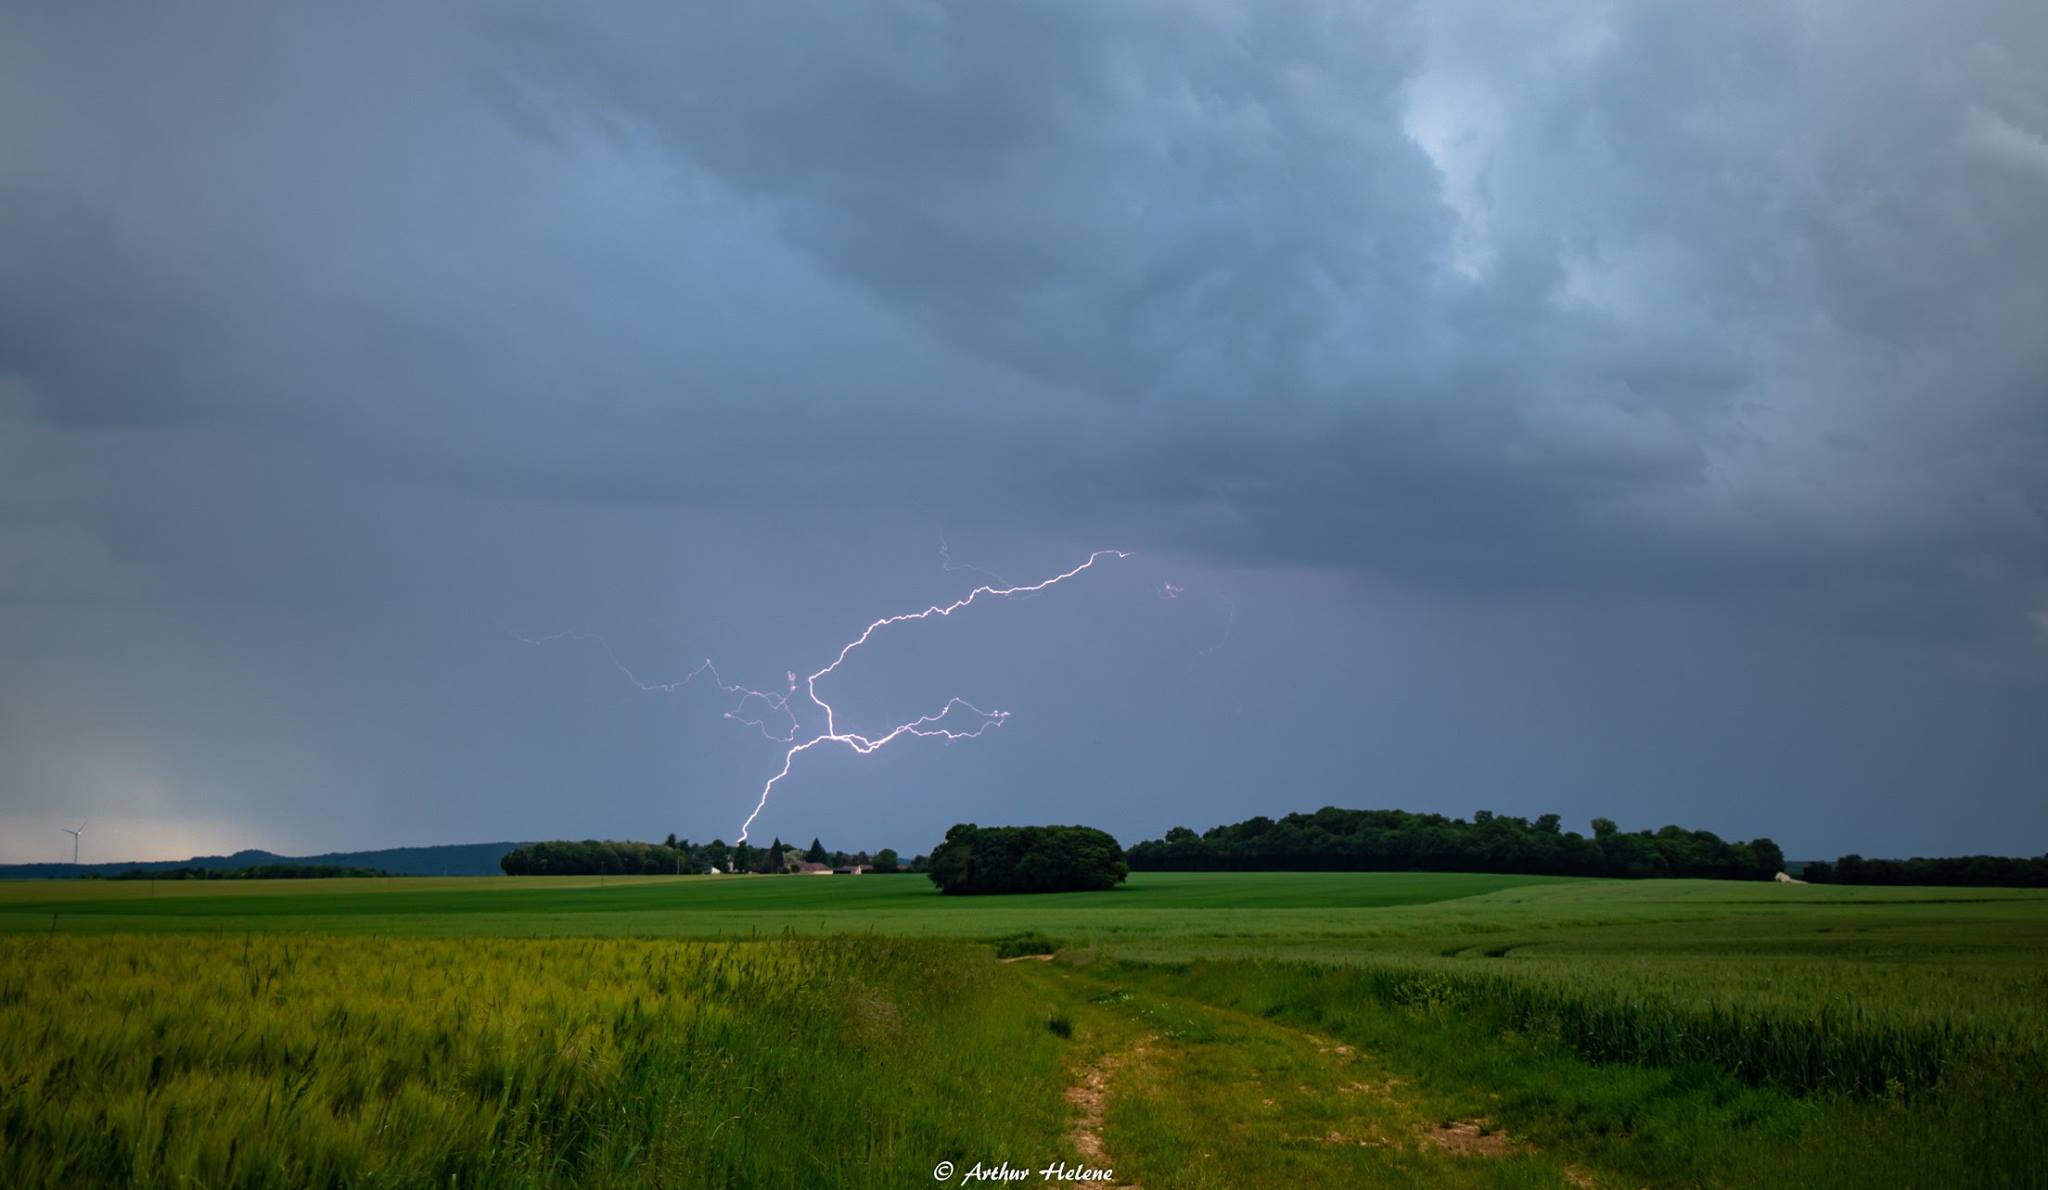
1194 1029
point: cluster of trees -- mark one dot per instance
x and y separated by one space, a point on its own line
1983 871
1027 859
595 857
256 872
1333 839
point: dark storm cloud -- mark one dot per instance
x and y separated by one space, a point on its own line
1668 265
1668 273
1566 305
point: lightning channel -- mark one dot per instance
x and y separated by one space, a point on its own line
956 719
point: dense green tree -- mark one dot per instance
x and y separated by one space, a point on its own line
1018 859
817 854
886 860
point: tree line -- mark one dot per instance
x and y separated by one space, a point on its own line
675 856
1333 839
1982 871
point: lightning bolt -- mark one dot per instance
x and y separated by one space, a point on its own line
936 725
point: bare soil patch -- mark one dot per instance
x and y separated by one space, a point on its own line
1471 1138
1090 1097
1380 1090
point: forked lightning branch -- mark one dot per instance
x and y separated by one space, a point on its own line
955 719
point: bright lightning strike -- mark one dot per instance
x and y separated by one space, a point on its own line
937 725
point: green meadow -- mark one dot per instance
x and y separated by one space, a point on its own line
1188 1029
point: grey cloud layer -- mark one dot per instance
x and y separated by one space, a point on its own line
1735 306
1406 277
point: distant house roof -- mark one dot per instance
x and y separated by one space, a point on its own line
811 869
855 870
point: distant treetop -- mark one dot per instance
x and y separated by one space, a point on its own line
1980 871
1333 839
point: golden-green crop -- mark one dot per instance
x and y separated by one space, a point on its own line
281 1060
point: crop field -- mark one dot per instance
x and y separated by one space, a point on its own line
1168 906
1188 1029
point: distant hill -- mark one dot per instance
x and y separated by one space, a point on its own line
454 859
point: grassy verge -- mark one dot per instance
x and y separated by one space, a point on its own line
1661 1114
1204 1098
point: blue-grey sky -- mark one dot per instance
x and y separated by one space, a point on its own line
1618 409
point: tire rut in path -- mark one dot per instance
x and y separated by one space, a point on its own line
1090 1097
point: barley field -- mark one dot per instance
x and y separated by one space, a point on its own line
304 1060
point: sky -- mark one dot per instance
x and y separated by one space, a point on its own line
1636 410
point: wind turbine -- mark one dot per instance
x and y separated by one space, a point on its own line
74 840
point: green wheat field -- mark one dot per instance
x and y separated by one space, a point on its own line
1224 1030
